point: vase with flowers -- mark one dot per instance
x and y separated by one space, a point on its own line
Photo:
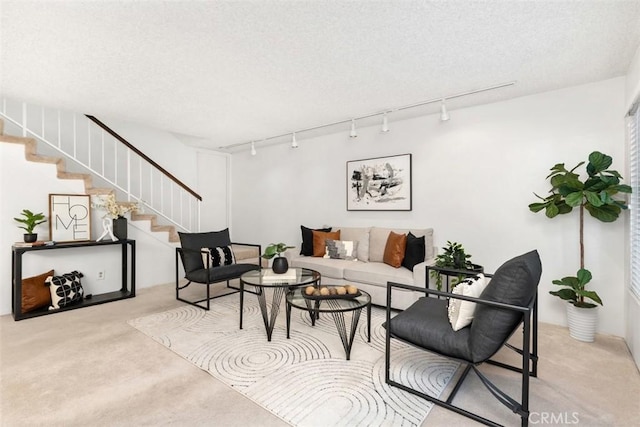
114 221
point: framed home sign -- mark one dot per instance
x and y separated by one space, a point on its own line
69 217
379 184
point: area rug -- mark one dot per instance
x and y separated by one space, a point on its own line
305 380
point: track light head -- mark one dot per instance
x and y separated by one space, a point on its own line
385 123
294 142
253 148
353 133
444 115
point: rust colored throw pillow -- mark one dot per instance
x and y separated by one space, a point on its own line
394 249
319 241
35 293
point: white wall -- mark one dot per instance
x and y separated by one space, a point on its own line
473 178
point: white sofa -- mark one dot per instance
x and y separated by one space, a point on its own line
369 272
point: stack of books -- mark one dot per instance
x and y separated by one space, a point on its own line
269 276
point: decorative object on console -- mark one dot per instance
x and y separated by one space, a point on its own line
461 311
70 217
30 222
394 249
117 229
65 290
379 184
306 248
596 195
35 293
280 264
319 241
454 257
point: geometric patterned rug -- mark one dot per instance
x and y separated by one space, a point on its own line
305 380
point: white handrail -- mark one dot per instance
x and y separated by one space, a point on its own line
128 188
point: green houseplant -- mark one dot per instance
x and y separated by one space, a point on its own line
280 263
30 220
596 194
453 257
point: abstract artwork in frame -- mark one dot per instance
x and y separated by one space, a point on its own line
69 217
379 184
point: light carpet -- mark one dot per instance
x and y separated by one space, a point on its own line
304 380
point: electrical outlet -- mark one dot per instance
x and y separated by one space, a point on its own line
101 275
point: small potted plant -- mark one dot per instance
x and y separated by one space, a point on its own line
455 258
30 222
595 194
280 263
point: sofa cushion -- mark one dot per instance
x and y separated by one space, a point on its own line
327 267
319 243
359 234
394 249
378 240
342 249
376 273
414 254
306 248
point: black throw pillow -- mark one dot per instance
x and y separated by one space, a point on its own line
414 254
307 239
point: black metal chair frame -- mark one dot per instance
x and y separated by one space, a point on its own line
208 283
529 354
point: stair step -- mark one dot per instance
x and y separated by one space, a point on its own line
31 154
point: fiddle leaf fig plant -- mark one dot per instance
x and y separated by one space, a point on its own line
275 249
597 195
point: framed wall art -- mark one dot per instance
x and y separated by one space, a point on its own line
69 217
379 184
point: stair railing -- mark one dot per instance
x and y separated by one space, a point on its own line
95 147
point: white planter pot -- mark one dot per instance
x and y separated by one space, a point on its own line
583 322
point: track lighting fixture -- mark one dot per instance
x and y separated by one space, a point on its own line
385 123
444 115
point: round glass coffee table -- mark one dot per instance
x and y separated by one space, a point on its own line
337 306
279 283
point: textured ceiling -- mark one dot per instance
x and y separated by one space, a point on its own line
235 71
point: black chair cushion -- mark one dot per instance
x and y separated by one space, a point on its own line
515 282
426 324
218 274
192 260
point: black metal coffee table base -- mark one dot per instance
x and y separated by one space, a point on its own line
337 307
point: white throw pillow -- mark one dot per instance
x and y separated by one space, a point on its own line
461 312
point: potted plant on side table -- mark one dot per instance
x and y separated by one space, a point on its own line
280 264
596 195
454 257
30 222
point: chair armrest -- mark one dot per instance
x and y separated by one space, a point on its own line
427 292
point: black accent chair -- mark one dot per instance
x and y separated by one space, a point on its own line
508 301
197 271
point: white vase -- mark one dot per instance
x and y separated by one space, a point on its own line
583 322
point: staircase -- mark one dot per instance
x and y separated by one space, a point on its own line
31 154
